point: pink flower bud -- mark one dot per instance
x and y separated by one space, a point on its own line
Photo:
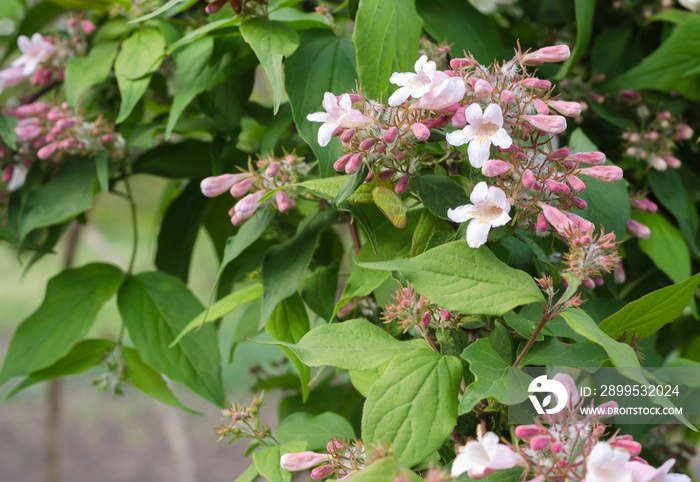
540 107
557 447
282 201
528 178
570 109
66 144
482 88
320 473
47 151
214 7
421 132
563 188
248 205
339 165
390 135
556 53
387 174
555 217
652 136
658 163
634 448
398 155
445 315
609 408
338 131
55 114
401 185
582 224
240 188
28 110
461 63
577 184
597 98
28 132
528 431
354 98
347 136
88 27
579 203
594 158
627 95
297 461
335 445
638 229
542 224
507 97
588 283
7 174
651 206
459 119
381 148
273 169
602 173
673 162
354 163
539 443
425 321
685 132
369 176
537 84
552 185
553 124
495 167
367 143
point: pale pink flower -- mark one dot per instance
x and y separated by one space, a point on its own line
413 85
483 456
607 464
489 209
11 77
556 218
485 128
571 109
570 386
445 91
297 461
638 229
19 176
215 185
602 173
338 114
646 473
34 51
690 4
556 53
552 124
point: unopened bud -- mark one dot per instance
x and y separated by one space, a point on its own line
540 443
390 135
421 132
588 283
638 229
579 203
495 167
459 119
556 53
273 169
47 151
354 163
552 185
673 162
339 165
282 201
528 431
387 174
398 155
593 158
570 109
685 132
320 473
540 107
367 143
482 88
425 321
88 27
347 135
297 461
242 187
401 185
445 315
555 217
461 63
553 124
602 173
659 164
507 97
576 183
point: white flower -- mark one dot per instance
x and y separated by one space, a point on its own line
690 4
414 85
646 473
34 52
485 455
608 464
483 130
338 114
489 209
19 176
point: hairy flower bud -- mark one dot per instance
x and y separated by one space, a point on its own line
577 184
553 124
461 63
593 158
673 162
507 97
528 178
602 173
528 431
340 164
347 135
570 109
242 187
47 151
540 107
459 119
556 218
421 132
556 53
320 473
482 88
540 443
282 201
273 169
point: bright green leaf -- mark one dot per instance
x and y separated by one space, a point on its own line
384 470
267 460
330 187
316 430
391 205
666 246
552 352
82 73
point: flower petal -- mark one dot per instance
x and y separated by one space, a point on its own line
502 139
498 197
317 117
325 133
400 96
477 233
494 114
461 214
473 114
330 101
478 151
479 193
345 103
460 137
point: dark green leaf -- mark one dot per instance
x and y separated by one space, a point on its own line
8 135
391 205
73 299
102 167
440 193
182 159
351 184
319 290
552 352
330 188
299 20
155 308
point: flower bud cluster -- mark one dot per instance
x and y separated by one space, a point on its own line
244 422
655 144
590 255
342 460
411 309
270 173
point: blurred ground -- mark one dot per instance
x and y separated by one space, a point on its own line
129 438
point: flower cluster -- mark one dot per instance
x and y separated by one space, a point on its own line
502 106
564 446
655 143
342 460
411 309
51 132
590 255
269 174
245 422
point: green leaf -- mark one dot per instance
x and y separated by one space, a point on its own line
386 469
249 475
386 37
510 475
135 64
668 188
585 11
552 352
149 381
175 160
319 290
608 203
83 356
352 345
155 307
159 11
391 242
285 263
330 188
316 430
267 460
645 316
463 25
493 376
322 63
621 355
465 279
289 323
202 32
352 182
522 325
73 299
667 67
67 194
666 246
86 4
102 168
299 20
221 308
82 73
440 193
672 15
413 405
271 41
391 205
8 135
